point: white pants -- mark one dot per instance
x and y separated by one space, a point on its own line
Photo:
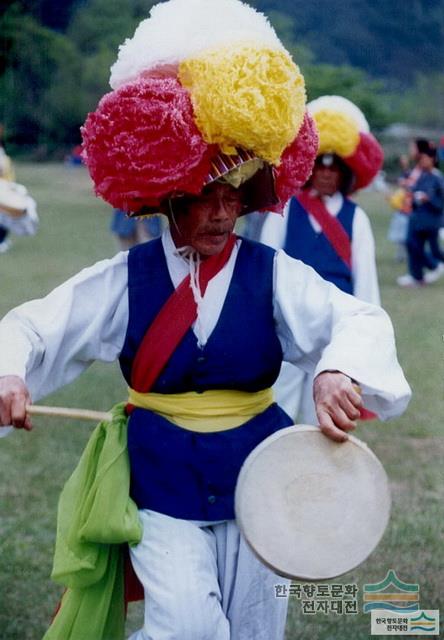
203 583
293 391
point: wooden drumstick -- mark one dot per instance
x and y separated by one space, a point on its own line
65 412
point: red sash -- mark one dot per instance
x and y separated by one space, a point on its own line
366 414
161 339
330 225
172 322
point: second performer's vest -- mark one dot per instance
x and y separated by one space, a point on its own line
302 242
177 471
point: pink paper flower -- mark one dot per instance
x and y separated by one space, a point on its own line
142 144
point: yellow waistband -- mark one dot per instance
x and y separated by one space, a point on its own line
213 410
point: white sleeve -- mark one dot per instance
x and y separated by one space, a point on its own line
274 229
364 273
322 328
51 341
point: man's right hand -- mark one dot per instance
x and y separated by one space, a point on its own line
14 396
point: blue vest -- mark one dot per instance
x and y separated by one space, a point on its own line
302 242
177 471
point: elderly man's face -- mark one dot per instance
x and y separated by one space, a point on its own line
207 221
326 180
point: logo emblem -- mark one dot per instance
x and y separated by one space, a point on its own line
391 594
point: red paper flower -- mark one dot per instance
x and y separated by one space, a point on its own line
366 160
142 144
297 163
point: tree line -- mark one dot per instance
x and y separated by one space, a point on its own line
54 67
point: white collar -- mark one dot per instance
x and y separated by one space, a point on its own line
178 265
210 305
334 203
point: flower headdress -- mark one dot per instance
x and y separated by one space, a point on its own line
344 131
202 88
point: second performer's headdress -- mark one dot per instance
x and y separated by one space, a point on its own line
344 131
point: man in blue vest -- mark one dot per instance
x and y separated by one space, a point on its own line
260 307
200 321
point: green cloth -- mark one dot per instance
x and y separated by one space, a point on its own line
95 518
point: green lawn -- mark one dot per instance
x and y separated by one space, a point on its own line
33 467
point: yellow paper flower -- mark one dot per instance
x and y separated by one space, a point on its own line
338 133
250 97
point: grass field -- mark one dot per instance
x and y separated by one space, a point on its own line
33 467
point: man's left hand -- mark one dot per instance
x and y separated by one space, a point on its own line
337 404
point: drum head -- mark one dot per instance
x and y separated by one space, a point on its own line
311 508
